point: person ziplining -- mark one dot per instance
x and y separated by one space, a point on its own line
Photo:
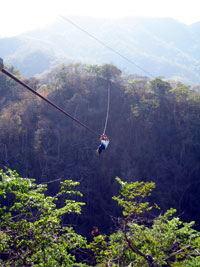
104 142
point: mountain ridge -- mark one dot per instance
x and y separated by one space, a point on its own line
162 46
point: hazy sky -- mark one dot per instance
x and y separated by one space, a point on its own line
24 15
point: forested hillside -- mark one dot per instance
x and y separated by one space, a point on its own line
154 131
165 46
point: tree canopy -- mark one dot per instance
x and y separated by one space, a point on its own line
32 232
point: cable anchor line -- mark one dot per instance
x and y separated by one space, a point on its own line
107 46
45 99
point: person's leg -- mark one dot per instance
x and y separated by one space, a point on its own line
100 148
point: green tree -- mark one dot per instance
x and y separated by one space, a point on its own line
142 241
160 87
30 227
107 71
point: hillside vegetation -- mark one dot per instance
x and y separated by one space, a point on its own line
154 131
153 128
33 232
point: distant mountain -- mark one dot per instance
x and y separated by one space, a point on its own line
161 46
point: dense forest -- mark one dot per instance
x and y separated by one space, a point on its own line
154 132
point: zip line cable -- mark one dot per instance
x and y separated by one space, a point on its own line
107 46
45 99
108 108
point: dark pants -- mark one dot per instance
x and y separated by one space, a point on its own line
100 148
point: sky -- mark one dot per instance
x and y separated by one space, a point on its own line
24 15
